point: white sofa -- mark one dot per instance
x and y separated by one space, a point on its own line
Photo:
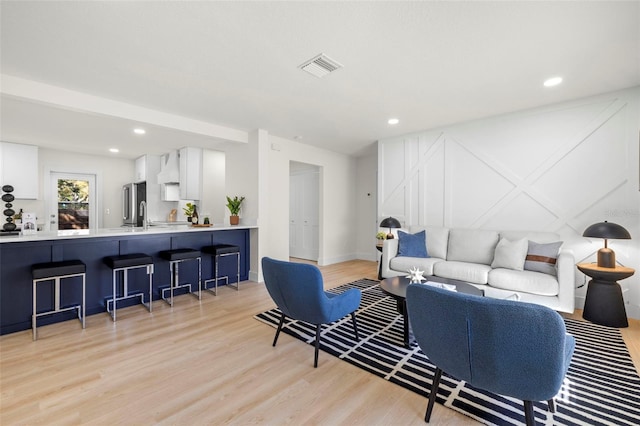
467 255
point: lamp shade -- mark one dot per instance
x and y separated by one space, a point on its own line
607 230
390 222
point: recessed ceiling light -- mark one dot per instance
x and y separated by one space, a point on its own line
553 81
139 131
114 150
393 121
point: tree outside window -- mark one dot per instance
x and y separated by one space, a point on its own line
73 204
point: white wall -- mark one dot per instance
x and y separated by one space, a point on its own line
366 207
338 212
259 170
111 174
213 186
558 168
243 178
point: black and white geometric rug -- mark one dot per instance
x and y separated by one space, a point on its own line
602 386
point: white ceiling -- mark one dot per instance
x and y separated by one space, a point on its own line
235 65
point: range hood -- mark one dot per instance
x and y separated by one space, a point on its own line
169 168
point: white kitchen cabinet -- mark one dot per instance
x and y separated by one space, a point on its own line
141 169
191 173
19 168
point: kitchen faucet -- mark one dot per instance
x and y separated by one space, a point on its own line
143 213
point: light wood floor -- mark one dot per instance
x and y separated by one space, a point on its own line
203 362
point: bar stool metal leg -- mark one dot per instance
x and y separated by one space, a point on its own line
124 271
33 316
84 297
81 308
219 251
174 267
120 266
238 272
150 274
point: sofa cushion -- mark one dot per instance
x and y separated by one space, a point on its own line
510 254
542 257
412 245
472 245
475 273
524 281
437 239
403 264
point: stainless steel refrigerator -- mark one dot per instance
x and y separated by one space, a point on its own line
132 195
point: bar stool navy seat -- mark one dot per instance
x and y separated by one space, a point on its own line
57 271
175 258
218 251
124 263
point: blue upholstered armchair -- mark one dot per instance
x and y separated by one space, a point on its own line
297 289
510 348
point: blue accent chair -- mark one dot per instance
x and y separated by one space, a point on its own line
517 349
297 289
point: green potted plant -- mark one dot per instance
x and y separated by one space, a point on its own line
234 208
188 210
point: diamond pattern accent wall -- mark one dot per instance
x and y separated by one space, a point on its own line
558 168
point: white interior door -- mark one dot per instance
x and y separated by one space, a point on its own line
304 206
72 201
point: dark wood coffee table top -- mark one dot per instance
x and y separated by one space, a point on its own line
397 286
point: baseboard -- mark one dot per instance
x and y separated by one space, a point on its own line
324 261
254 276
373 257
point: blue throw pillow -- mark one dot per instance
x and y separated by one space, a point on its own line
412 245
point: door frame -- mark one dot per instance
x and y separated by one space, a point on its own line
51 177
308 168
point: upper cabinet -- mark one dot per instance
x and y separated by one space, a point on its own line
141 169
147 169
191 173
19 168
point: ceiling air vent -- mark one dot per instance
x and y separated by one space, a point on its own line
321 65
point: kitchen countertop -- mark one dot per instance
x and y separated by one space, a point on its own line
160 228
18 254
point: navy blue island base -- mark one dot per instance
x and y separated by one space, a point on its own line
17 254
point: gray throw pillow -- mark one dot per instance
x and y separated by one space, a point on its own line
542 257
510 254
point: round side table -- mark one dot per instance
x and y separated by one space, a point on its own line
604 304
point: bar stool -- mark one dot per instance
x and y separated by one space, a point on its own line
123 263
175 257
218 251
57 271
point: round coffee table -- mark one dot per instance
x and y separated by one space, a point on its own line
396 287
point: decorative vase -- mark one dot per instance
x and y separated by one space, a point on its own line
8 212
234 220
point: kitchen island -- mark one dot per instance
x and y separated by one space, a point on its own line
18 253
